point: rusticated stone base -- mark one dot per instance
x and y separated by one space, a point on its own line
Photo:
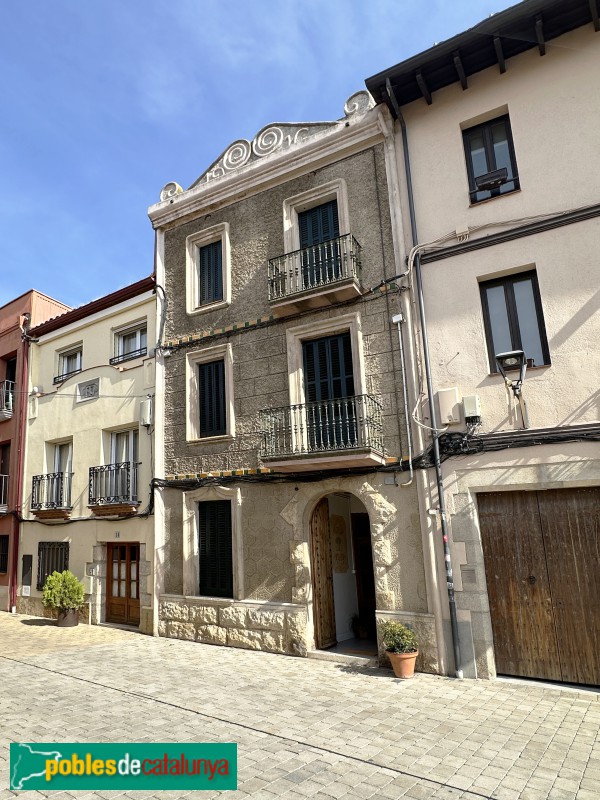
272 627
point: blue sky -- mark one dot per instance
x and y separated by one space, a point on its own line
105 101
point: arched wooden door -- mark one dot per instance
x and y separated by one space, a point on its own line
322 577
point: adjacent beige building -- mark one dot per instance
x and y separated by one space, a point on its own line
89 456
501 132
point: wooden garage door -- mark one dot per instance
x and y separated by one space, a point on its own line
542 564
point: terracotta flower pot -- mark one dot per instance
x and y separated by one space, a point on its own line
403 664
68 618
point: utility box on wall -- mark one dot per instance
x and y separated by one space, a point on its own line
449 406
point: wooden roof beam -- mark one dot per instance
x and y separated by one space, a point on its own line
539 32
499 54
423 87
460 70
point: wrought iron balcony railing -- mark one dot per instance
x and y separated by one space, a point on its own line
51 491
345 424
65 375
7 399
142 351
314 267
3 491
113 484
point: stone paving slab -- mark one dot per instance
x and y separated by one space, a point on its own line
304 728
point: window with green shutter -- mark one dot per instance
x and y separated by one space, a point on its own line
210 273
319 242
213 411
215 549
331 412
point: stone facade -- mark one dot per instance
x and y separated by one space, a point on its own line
275 628
273 607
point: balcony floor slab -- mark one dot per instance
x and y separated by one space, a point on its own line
308 462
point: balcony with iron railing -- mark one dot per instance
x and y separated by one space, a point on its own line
113 489
346 432
7 399
315 276
3 492
66 375
51 495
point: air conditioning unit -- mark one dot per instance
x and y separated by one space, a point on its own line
491 180
146 412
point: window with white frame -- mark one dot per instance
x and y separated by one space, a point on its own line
209 400
333 198
212 543
208 269
70 362
130 343
299 368
122 473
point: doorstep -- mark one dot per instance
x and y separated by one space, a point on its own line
343 658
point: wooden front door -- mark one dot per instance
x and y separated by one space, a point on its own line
542 552
322 574
123 596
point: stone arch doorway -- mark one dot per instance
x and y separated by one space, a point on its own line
343 581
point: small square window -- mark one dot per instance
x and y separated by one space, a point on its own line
491 162
70 363
130 344
513 318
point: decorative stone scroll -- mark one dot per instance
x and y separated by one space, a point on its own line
169 191
273 138
280 137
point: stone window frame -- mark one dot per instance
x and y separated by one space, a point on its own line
192 396
292 206
191 551
313 330
193 243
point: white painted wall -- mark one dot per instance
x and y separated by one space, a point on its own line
554 119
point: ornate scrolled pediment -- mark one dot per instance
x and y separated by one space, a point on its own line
276 138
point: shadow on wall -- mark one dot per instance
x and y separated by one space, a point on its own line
586 312
513 476
589 408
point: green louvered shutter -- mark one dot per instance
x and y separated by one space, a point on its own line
328 376
328 371
210 278
213 414
215 549
321 257
319 224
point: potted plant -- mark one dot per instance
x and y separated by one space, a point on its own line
401 646
64 592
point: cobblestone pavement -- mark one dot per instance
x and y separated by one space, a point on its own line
304 728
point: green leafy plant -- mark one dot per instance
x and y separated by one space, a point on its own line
397 638
63 591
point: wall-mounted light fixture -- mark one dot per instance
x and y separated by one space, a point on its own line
514 359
